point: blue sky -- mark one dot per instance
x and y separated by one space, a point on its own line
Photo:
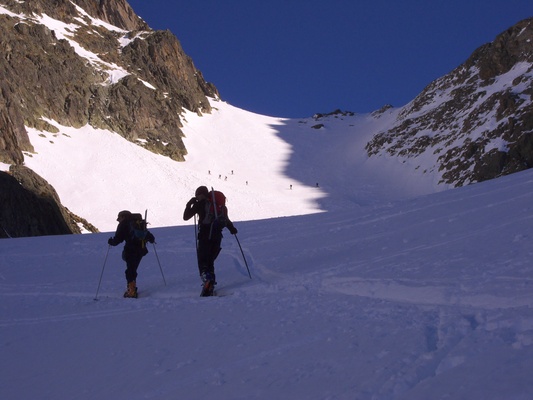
294 58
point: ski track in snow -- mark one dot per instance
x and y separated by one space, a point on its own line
424 298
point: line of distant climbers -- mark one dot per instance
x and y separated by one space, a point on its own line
226 178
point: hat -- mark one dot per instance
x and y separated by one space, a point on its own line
123 213
201 190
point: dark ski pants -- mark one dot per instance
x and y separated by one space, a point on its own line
208 251
132 263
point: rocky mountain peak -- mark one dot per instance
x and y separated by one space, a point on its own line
511 47
115 12
474 123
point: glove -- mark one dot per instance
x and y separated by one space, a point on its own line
233 230
110 241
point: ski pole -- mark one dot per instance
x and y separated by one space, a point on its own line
195 234
160 268
244 258
155 250
102 273
4 229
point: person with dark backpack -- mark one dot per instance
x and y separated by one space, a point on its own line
131 229
210 206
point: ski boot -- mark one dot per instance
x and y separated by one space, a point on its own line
208 284
131 291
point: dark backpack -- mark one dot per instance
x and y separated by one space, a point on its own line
138 229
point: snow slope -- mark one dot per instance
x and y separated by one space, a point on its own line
376 284
255 160
424 298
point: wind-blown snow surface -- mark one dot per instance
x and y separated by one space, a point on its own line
428 298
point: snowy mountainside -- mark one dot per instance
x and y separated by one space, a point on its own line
120 175
334 156
91 142
414 299
267 167
474 123
99 169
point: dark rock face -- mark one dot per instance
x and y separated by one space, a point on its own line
477 121
31 207
13 136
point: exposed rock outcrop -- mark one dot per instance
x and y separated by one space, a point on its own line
477 121
31 207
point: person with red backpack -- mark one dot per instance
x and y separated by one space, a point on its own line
212 219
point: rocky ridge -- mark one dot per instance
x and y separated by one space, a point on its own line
474 123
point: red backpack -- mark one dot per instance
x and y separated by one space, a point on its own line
217 204
217 213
